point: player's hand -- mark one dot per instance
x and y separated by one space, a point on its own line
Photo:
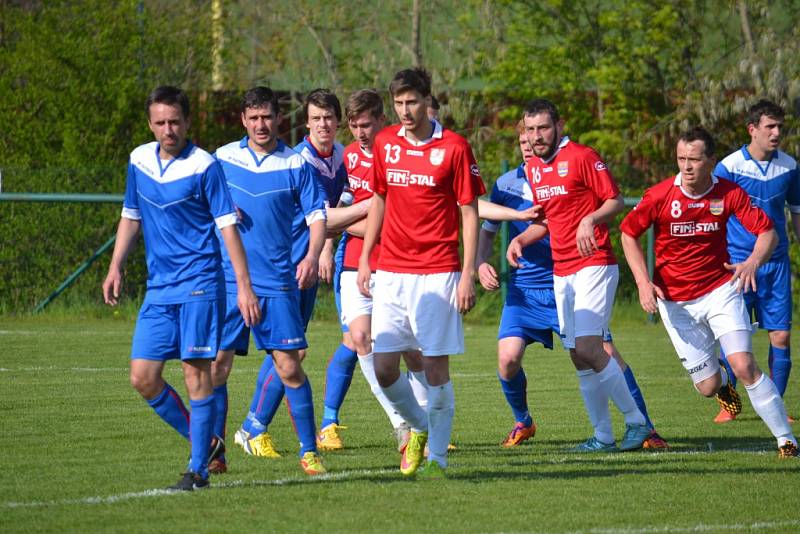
488 277
532 214
584 237
514 253
364 275
306 274
648 294
248 305
465 294
744 274
112 286
326 264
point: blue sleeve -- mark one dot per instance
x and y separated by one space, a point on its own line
310 197
793 194
721 171
216 191
131 200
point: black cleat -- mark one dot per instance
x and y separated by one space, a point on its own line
729 400
216 453
191 481
788 450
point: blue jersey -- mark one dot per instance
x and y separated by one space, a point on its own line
178 202
267 190
331 177
512 190
771 185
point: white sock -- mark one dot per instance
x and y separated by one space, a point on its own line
367 364
403 402
768 404
420 386
613 381
441 409
596 402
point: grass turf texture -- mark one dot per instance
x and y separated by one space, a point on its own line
81 450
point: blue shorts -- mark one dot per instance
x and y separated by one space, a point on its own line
307 298
280 327
188 331
338 261
771 303
531 314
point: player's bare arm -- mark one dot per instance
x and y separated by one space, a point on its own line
744 274
127 231
358 229
308 268
326 266
486 272
648 291
496 212
584 236
245 298
373 230
340 218
534 233
465 293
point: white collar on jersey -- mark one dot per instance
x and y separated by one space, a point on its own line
714 181
437 134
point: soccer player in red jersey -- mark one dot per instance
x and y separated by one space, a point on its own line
423 178
696 291
579 197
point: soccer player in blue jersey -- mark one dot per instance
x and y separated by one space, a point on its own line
269 182
325 158
176 194
529 313
772 180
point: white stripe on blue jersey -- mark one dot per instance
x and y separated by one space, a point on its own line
512 190
268 190
178 203
771 185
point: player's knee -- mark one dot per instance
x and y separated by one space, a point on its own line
710 386
220 371
146 385
744 367
361 341
508 364
779 338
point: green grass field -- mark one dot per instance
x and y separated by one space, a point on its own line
82 452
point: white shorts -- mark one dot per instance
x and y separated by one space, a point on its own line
416 312
354 304
695 325
584 301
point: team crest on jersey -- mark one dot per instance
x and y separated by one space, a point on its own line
716 206
563 168
352 160
437 156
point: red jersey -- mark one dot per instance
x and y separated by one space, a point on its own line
359 167
691 233
423 185
572 184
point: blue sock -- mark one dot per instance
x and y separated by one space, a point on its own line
724 361
221 417
636 393
202 427
337 381
301 410
266 399
516 392
169 406
781 367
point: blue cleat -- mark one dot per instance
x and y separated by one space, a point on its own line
595 445
634 438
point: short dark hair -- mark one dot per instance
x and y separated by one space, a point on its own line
541 105
364 100
698 133
435 103
169 95
416 79
260 97
764 108
323 99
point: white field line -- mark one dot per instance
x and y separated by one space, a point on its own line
700 527
111 499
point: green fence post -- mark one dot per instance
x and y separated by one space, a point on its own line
651 263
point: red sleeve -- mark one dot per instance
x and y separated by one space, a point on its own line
597 176
377 173
752 218
467 182
641 217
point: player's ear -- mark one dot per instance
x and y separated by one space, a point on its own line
560 127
